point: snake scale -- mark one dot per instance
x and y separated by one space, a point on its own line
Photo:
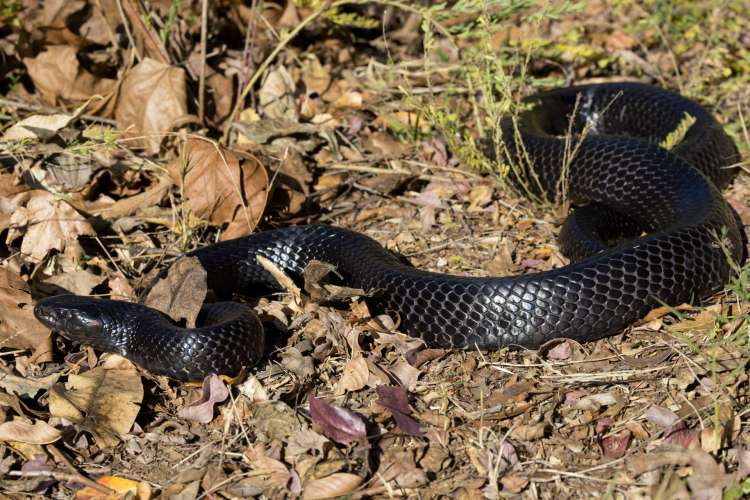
652 229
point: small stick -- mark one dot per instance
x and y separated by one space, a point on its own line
155 48
68 477
202 77
46 109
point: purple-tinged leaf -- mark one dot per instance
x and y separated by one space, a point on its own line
339 424
396 401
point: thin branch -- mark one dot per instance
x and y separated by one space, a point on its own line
66 477
154 47
202 77
124 19
46 109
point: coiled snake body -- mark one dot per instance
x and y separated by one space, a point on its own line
681 234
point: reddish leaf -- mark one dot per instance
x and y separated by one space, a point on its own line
395 399
340 424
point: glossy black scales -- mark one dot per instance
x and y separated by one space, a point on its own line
666 203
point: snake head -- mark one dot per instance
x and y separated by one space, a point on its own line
77 318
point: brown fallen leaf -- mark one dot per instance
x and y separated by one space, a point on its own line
153 96
339 424
219 188
214 391
46 224
25 386
37 127
355 375
38 433
335 485
104 401
79 282
19 328
132 204
316 77
57 75
276 95
272 472
530 432
181 294
399 468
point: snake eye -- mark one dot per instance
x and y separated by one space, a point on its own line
82 325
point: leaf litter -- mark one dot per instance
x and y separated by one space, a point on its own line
112 168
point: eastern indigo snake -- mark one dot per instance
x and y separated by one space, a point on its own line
679 236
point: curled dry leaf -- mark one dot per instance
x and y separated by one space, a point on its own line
37 127
253 389
153 96
220 188
339 424
530 432
104 401
18 326
46 224
355 376
57 75
276 94
181 294
24 432
24 386
202 411
332 486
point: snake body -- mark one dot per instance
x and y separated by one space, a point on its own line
680 236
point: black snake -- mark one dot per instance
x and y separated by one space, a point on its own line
679 236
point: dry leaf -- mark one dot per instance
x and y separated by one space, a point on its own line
46 224
24 386
38 433
78 282
332 486
273 472
103 401
396 400
181 294
37 127
529 432
316 77
218 188
18 327
152 97
399 468
355 375
340 424
214 391
276 95
57 74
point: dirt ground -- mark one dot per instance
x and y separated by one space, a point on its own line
131 132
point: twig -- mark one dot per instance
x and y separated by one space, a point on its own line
267 62
247 50
202 77
155 49
67 477
47 109
127 31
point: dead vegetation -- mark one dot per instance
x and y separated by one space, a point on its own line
133 131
